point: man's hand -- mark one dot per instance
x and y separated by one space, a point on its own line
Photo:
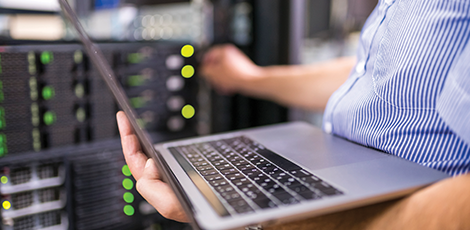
149 184
229 69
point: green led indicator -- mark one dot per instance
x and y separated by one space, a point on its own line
1 85
129 210
1 96
188 111
3 150
137 102
126 171
141 123
49 118
128 197
187 51
2 123
135 58
135 80
46 57
127 184
187 71
48 92
3 138
4 179
2 112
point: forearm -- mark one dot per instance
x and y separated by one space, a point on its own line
304 86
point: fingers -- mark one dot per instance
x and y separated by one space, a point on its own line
133 154
159 194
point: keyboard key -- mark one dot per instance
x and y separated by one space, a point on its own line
216 183
225 188
232 195
285 198
310 195
241 181
245 167
209 172
228 171
224 166
291 184
300 189
202 163
275 188
204 168
278 160
249 187
254 194
213 177
235 176
264 202
310 181
240 206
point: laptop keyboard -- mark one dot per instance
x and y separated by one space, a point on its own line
246 176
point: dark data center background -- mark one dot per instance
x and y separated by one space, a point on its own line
61 163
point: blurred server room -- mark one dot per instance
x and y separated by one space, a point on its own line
61 165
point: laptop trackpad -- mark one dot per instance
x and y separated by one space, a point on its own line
310 147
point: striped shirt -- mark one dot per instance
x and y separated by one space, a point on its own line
409 94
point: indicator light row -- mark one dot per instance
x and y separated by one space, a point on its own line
128 197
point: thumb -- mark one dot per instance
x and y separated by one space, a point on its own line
150 170
159 194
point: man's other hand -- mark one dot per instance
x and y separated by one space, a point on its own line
229 69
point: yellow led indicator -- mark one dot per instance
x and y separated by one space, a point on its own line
48 92
79 90
80 114
187 71
188 111
125 170
6 205
187 51
4 179
128 197
127 184
46 57
78 57
129 210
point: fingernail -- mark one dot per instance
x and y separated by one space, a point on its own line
147 164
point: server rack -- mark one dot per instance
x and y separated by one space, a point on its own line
61 165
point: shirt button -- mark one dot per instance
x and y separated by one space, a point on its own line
361 67
328 127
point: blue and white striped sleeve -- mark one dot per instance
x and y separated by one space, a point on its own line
453 104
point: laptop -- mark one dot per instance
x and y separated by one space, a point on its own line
269 175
